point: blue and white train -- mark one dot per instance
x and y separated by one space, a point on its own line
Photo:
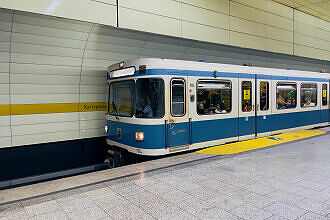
161 106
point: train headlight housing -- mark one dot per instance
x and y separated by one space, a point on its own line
139 136
106 128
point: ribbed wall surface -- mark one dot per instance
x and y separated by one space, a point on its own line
46 60
257 24
52 71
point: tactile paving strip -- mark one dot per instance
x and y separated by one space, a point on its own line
253 144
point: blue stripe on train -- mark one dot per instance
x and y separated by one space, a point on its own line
224 75
209 130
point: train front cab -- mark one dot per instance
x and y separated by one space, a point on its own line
185 112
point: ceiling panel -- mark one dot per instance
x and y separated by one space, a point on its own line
317 8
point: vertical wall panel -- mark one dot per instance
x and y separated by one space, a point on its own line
279 46
138 20
166 8
202 32
102 12
247 27
202 16
259 4
246 40
279 34
246 12
312 36
279 9
221 6
5 34
279 22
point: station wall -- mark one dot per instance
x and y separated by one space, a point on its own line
52 70
258 24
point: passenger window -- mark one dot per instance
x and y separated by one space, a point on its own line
264 96
213 97
178 97
149 98
246 96
308 95
324 94
286 95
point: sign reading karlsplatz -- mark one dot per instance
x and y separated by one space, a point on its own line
95 106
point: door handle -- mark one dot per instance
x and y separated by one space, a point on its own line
171 123
253 108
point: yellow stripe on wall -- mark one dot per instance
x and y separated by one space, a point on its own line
4 110
28 109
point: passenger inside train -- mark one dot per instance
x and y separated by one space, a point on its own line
286 95
213 97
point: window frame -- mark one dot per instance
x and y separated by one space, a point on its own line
316 89
267 96
242 96
215 80
292 83
184 96
133 99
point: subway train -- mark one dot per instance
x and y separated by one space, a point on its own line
162 106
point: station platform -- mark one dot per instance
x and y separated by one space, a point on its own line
287 180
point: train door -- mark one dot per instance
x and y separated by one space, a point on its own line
263 110
178 126
247 122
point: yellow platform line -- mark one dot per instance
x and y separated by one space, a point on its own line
253 144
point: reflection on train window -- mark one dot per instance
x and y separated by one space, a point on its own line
178 97
149 98
286 95
121 99
324 94
308 95
213 97
264 96
246 96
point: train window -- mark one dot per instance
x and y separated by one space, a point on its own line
178 97
213 97
308 95
286 95
264 96
149 98
324 94
246 96
121 100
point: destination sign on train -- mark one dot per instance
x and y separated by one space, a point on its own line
122 72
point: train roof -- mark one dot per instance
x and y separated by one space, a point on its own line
158 63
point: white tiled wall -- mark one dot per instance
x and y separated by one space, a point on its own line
257 24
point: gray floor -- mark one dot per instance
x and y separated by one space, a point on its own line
290 181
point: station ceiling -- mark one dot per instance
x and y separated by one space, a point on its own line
317 8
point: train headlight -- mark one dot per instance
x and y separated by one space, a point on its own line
106 129
139 136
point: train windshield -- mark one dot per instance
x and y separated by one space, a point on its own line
149 98
121 98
